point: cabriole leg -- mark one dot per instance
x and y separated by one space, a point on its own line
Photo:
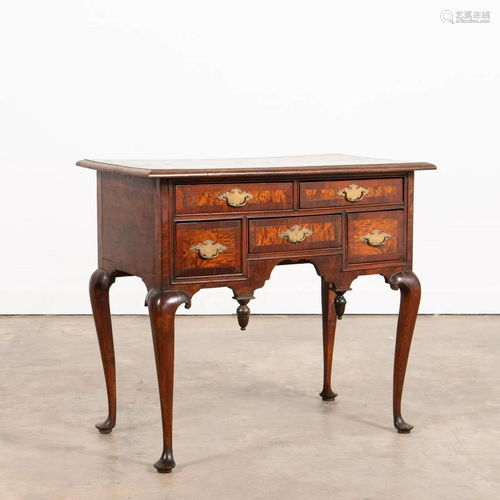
162 307
329 326
409 285
100 283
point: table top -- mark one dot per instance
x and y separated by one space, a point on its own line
278 165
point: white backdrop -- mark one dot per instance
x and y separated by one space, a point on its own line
194 79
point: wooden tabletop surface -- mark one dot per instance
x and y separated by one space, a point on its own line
230 167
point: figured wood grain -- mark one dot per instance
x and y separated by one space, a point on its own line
204 198
190 234
264 234
128 221
361 224
318 194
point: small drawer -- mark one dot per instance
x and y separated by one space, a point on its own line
294 233
208 248
376 236
340 193
237 197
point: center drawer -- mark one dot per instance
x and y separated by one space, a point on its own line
294 233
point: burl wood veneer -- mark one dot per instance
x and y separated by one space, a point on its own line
183 225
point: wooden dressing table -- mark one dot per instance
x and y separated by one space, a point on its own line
183 225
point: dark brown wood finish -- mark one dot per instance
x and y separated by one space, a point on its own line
186 225
339 302
128 221
409 285
243 313
329 327
162 307
100 283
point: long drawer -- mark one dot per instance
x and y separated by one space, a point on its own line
234 197
287 234
339 193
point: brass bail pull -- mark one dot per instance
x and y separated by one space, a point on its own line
353 193
296 234
376 238
208 249
236 197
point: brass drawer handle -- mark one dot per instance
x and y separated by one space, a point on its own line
296 234
353 193
376 238
236 197
208 249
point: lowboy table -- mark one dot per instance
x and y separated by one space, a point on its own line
183 225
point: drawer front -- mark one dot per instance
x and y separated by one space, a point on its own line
376 236
208 248
341 193
234 197
294 233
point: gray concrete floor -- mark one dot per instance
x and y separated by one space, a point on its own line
248 421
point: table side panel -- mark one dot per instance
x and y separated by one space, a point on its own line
409 196
127 212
